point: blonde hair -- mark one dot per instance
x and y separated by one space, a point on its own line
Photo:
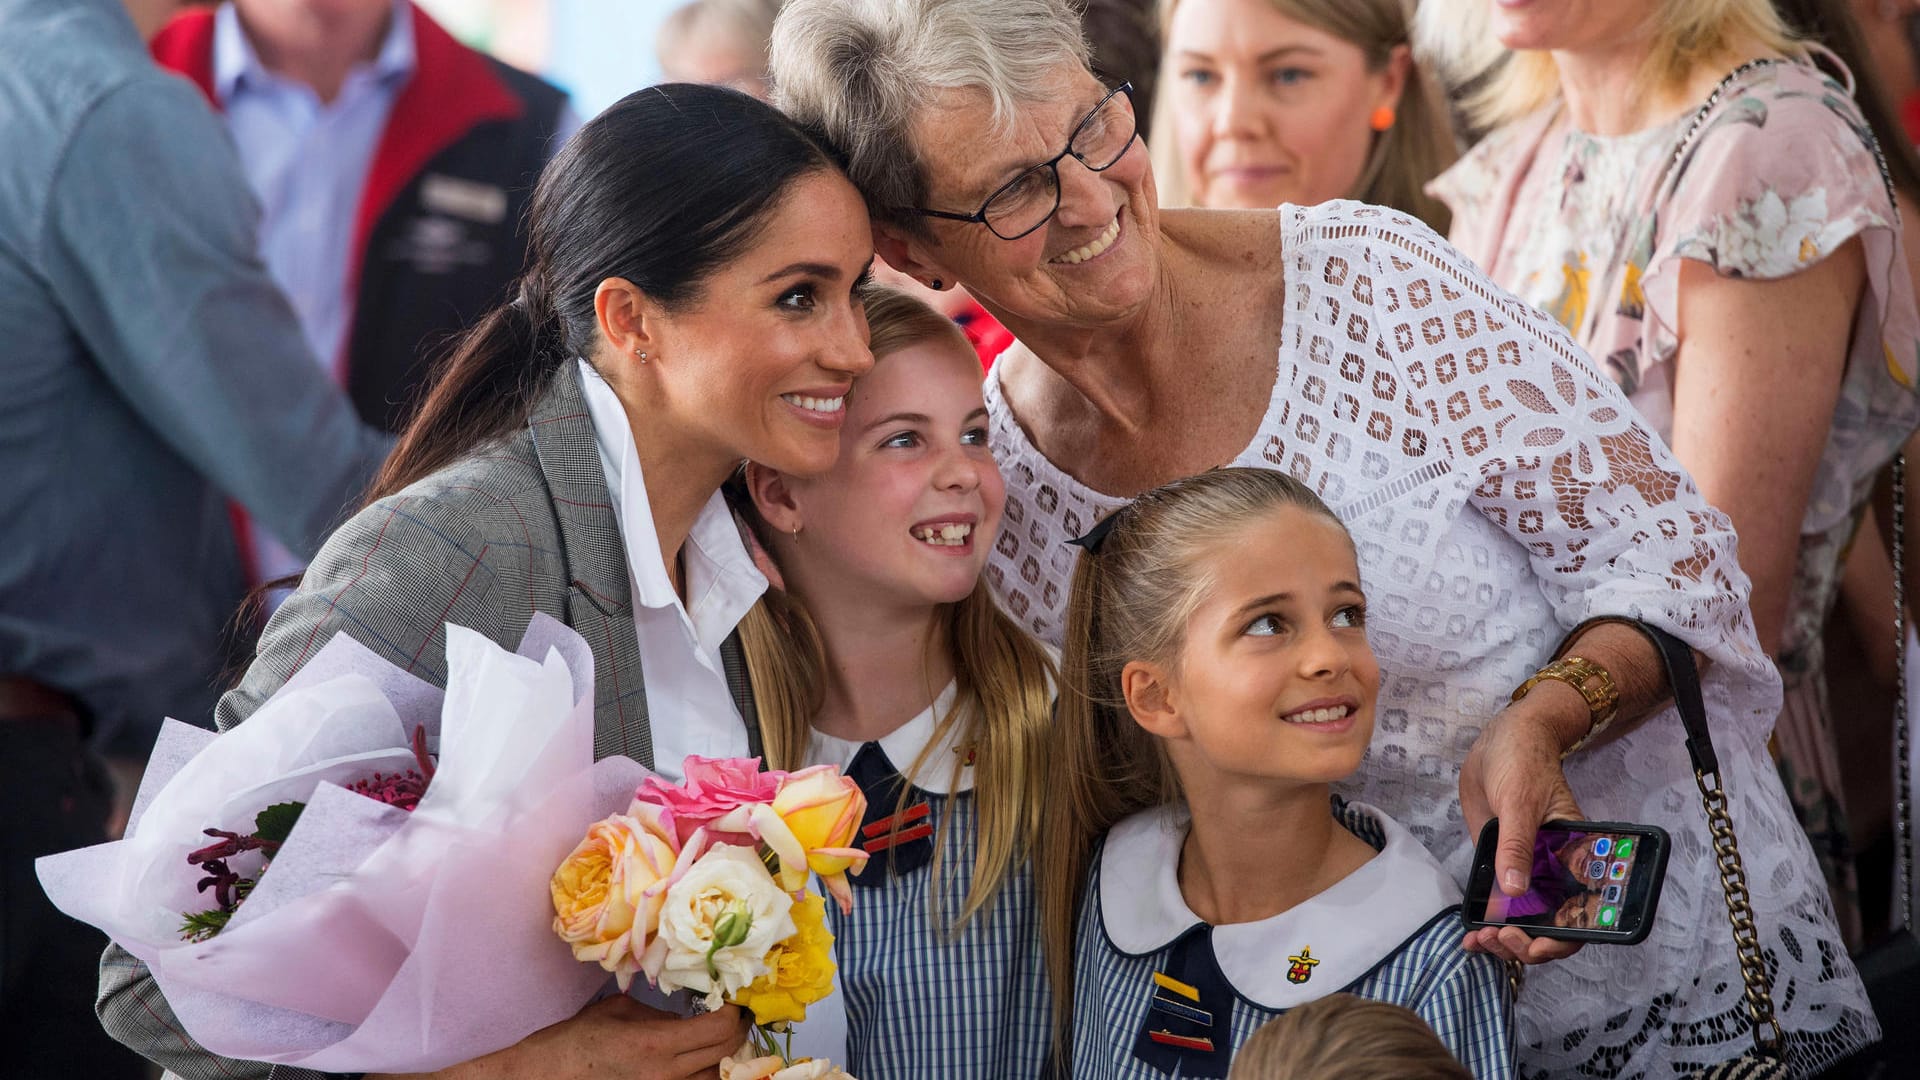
1003 678
1499 85
1343 1037
1131 601
1418 147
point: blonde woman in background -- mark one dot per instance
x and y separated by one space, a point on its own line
1752 296
1297 101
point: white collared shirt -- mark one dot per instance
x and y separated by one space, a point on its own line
902 747
689 706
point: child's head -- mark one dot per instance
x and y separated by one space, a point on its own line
1215 637
1220 629
907 515
1343 1037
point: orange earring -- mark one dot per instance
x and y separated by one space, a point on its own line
1382 118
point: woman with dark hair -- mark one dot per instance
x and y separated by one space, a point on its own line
690 304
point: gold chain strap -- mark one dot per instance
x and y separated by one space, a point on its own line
1767 1035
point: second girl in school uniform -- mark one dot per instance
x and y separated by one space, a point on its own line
1217 681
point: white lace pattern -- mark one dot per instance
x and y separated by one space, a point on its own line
1500 491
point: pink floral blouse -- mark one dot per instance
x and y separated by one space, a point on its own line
1592 230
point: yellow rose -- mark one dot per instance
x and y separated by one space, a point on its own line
801 969
819 812
607 894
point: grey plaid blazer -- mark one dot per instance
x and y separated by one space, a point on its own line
522 526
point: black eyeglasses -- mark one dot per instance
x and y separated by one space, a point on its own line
1029 200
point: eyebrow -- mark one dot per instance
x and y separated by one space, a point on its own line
1270 54
815 269
1006 173
1275 598
916 418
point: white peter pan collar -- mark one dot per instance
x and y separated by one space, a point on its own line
902 747
1351 927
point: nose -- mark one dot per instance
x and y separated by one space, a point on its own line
1238 112
1086 197
958 471
1323 655
845 350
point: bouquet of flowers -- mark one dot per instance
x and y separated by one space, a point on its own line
375 898
702 886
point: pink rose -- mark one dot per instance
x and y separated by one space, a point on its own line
714 787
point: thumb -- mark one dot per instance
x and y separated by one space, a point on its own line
1513 855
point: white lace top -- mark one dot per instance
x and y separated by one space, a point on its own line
1500 491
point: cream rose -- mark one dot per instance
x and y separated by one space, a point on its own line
720 919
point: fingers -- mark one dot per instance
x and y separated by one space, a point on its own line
1513 857
708 1038
1514 944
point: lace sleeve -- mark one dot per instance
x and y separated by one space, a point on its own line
1557 456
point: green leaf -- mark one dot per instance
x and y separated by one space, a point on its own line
202 925
276 821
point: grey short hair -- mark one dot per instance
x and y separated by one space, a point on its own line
857 72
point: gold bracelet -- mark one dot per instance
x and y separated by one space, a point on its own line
1594 683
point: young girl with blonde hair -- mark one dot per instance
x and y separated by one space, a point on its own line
885 654
1194 884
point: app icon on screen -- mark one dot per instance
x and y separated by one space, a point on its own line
1603 846
1597 869
1609 915
1611 894
1624 849
1619 871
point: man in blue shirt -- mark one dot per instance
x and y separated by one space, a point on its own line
149 370
393 165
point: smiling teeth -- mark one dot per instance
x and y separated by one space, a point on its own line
1087 251
1318 716
952 535
816 404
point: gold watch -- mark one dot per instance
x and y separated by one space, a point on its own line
1594 683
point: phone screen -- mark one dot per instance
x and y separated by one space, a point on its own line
1582 880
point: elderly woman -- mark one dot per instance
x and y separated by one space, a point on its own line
1740 271
1505 498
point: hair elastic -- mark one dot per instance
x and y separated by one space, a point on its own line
1091 540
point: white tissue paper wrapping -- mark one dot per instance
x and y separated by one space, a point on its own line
379 940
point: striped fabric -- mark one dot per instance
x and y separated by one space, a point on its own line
1463 996
523 526
920 1005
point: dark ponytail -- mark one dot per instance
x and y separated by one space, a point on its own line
661 189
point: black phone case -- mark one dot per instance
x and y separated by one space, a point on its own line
1483 860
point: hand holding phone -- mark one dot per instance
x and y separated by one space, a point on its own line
1591 881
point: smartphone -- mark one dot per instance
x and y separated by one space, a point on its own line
1592 881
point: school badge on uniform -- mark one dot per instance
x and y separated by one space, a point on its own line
1302 966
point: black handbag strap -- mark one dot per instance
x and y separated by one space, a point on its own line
1683 677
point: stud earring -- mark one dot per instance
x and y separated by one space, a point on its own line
641 355
1382 118
937 285
796 532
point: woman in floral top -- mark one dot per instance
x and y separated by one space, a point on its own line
1746 287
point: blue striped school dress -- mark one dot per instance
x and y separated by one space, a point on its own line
1389 931
921 1003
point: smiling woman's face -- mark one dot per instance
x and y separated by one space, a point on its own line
1266 109
1091 263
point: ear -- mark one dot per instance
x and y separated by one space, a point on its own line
630 322
1150 698
773 498
1394 76
911 255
